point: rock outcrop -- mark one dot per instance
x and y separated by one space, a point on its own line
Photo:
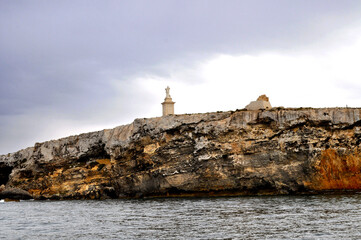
15 194
213 154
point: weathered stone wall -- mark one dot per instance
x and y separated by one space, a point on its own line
225 153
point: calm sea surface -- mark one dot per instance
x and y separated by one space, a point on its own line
278 217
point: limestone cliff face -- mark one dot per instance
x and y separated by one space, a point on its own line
225 153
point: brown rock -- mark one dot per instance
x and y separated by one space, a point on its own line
263 98
213 154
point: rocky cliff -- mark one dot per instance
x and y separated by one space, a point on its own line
279 151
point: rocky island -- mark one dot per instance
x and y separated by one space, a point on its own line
243 152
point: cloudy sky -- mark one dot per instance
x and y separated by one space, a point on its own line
68 67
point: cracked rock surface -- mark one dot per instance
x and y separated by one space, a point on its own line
285 151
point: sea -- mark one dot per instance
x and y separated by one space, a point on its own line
259 217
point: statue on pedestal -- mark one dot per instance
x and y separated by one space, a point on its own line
167 95
168 104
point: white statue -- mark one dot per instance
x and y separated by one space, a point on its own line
167 95
168 104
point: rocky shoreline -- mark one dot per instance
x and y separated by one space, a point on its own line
278 151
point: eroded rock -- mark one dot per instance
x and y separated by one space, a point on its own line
213 154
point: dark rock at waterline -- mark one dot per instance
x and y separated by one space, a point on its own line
15 193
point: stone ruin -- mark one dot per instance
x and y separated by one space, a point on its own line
262 103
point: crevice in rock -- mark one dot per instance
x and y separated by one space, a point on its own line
351 126
4 173
96 152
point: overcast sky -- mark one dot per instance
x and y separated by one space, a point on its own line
68 67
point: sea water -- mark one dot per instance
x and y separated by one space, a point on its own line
273 217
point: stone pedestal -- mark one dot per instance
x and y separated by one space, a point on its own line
168 106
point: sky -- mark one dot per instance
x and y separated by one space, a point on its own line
69 67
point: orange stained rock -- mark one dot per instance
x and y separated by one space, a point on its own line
104 161
338 171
